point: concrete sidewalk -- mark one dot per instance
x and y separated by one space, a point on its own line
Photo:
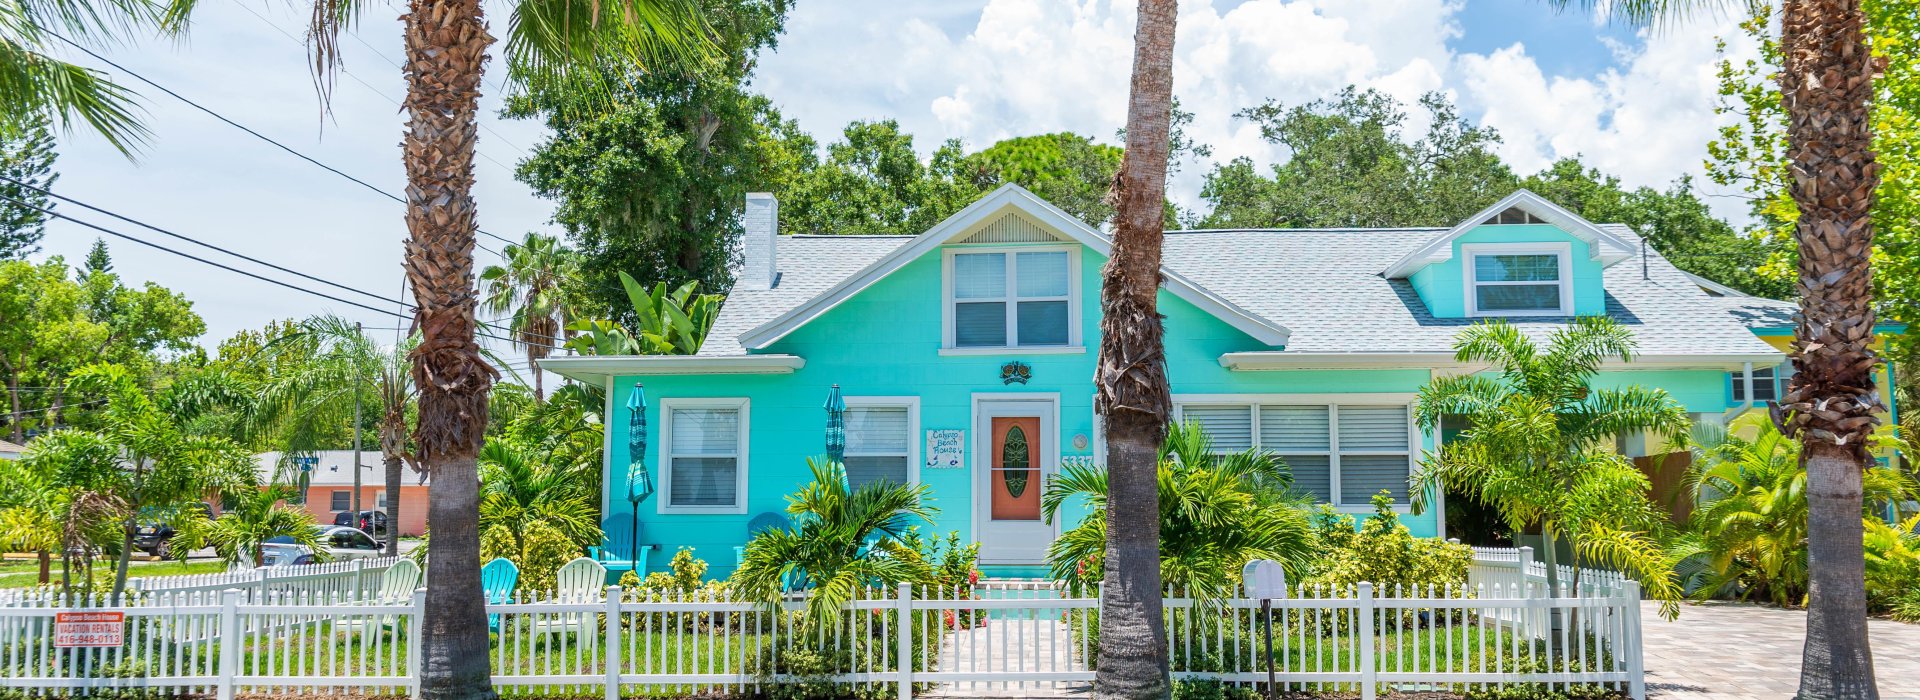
1729 651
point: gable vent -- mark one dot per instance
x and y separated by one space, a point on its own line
1011 228
1516 215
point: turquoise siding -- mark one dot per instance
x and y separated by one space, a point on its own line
885 341
1442 285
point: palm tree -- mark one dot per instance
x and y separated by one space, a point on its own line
248 520
1538 446
519 486
38 85
842 540
306 407
1749 533
527 290
1217 512
1130 382
445 42
74 473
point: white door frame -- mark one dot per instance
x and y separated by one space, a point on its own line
987 405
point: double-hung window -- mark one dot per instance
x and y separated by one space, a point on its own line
1766 385
1011 298
1341 454
342 500
704 455
880 444
1528 279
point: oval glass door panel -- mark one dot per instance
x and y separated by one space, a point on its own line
1015 484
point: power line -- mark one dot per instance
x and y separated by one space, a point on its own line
190 256
255 134
199 242
83 404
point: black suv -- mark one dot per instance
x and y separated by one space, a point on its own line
372 522
155 537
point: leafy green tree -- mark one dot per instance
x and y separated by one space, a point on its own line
1217 512
1538 446
248 519
842 540
26 167
873 181
527 291
1748 535
1352 165
653 183
165 466
1674 220
99 260
67 484
1069 170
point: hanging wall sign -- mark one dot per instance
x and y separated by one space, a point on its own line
946 449
89 629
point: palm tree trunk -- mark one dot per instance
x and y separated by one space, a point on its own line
446 44
393 504
1826 79
1131 380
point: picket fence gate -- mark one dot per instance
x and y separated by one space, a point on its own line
1004 638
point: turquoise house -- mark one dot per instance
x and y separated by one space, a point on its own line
965 355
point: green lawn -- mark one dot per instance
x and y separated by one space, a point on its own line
20 573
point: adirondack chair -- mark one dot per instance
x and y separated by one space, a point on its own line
582 580
762 523
397 586
615 552
496 580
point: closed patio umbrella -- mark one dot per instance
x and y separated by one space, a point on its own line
836 425
639 481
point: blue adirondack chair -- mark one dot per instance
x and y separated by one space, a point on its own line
497 579
615 553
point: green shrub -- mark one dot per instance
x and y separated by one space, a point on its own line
1383 552
685 574
538 549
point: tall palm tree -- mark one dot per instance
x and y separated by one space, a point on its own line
1538 446
38 85
1131 391
526 289
445 44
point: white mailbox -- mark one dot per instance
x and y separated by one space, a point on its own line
1264 579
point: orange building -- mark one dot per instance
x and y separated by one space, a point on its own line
326 481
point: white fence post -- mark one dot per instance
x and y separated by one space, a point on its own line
230 641
1364 628
614 661
414 657
1636 661
903 647
359 578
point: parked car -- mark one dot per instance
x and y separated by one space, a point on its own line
156 537
370 521
337 544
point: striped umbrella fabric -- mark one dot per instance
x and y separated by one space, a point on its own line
836 425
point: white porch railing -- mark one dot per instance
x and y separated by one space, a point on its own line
1355 640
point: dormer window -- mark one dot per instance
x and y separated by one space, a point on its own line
1530 279
1018 297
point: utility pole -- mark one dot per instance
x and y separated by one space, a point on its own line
355 519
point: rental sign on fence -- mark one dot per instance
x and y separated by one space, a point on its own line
89 629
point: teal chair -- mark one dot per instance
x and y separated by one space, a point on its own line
496 580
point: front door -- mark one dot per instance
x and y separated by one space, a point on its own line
1012 458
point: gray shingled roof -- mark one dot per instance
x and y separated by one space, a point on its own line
807 266
1323 284
1758 312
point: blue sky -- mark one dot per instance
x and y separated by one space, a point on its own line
1635 104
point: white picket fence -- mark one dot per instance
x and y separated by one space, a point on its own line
1355 640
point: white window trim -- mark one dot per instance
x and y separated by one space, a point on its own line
1073 345
1563 250
665 456
1332 402
914 438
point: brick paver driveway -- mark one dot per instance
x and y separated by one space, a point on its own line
1722 651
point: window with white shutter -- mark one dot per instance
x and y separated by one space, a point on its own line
880 444
1341 454
705 455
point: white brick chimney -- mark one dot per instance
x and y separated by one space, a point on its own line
761 222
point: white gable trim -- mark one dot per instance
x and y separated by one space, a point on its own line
1008 198
1605 246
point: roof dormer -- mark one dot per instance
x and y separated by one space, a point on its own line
1522 256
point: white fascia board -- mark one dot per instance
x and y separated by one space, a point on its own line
1007 197
1259 361
594 369
1606 247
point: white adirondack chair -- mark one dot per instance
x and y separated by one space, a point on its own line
582 580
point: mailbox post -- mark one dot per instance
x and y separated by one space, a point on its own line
1265 580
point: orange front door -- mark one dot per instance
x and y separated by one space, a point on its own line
1014 484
